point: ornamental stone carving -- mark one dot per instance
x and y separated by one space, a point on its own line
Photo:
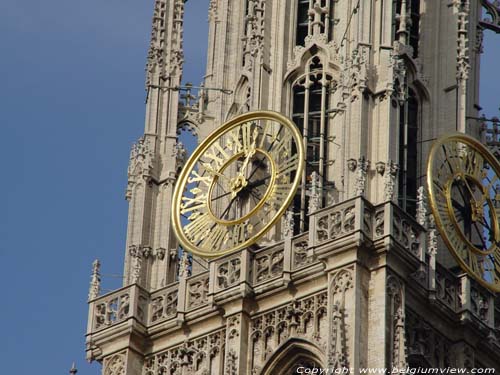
140 164
354 75
115 365
228 273
194 356
180 155
315 193
301 255
340 283
253 41
185 265
111 310
212 10
318 18
422 207
390 180
269 265
336 223
307 317
462 9
197 292
165 55
406 234
95 280
361 176
288 224
164 306
395 292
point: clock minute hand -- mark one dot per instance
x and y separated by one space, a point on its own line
212 171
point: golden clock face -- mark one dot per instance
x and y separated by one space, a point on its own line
237 184
463 179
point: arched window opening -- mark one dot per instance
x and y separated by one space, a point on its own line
415 25
302 21
408 153
310 114
314 17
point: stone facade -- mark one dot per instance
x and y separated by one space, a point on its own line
357 277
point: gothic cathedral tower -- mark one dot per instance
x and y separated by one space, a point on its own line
355 275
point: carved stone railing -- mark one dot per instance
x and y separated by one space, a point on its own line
118 306
163 304
395 226
476 302
197 291
335 222
268 264
447 289
301 255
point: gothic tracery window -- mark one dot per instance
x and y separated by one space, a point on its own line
310 113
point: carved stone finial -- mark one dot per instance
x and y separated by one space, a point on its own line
361 174
316 14
462 8
73 369
421 207
315 193
95 280
432 237
399 344
180 154
136 254
185 265
288 224
391 172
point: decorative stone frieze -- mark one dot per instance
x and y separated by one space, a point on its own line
201 355
307 317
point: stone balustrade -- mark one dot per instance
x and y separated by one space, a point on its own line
255 270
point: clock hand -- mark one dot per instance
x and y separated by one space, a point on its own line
212 171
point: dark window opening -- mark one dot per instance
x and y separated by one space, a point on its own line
408 153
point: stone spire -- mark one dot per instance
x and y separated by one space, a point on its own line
73 369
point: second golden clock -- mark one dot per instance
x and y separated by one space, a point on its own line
237 184
464 185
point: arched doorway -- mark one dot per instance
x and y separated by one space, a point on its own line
293 357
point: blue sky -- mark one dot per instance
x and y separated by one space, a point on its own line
71 104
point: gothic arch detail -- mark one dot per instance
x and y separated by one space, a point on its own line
115 365
294 353
242 99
